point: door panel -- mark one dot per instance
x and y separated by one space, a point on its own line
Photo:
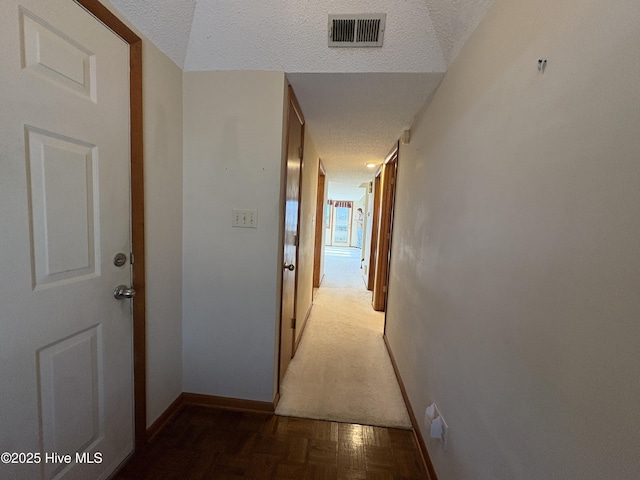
63 207
295 135
70 395
65 342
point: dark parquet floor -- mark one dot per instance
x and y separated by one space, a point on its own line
208 443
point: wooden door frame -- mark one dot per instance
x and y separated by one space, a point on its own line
319 230
292 101
112 22
383 257
375 227
298 111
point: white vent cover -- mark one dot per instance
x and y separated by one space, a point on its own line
356 30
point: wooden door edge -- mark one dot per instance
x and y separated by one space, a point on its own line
375 231
283 226
291 102
298 110
383 259
319 230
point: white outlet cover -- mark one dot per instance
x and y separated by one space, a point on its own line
430 413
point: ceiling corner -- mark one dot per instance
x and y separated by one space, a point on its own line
166 23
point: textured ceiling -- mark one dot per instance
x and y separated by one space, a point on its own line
291 36
167 23
355 118
454 21
356 101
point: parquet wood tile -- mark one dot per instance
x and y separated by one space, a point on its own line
378 436
351 456
351 433
326 430
298 451
323 452
380 459
203 443
408 465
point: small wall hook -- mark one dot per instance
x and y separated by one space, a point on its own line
542 65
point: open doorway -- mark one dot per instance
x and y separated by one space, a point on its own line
363 223
342 370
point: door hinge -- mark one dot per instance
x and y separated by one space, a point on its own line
296 240
293 323
301 152
131 257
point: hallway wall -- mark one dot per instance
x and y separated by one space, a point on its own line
162 93
513 298
233 144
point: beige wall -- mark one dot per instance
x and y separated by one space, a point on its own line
233 140
514 297
309 193
162 143
162 95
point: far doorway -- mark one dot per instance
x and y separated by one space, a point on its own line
340 214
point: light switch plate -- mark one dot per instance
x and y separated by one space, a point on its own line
244 218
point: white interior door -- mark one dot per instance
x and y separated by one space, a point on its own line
65 341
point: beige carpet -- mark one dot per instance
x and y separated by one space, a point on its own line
342 371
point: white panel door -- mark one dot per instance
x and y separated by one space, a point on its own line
65 341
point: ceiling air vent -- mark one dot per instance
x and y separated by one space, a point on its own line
356 30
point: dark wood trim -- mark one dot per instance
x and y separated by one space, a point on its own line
137 209
302 328
296 105
375 231
138 240
386 227
169 414
394 164
110 20
426 459
228 403
320 208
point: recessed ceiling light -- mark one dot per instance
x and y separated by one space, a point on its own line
370 165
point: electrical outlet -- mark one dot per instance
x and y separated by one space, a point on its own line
430 414
434 421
